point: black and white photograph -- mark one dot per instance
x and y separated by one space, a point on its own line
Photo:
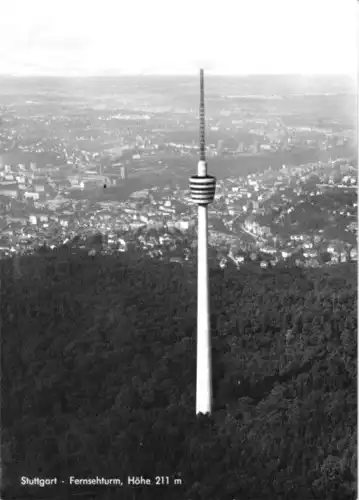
178 249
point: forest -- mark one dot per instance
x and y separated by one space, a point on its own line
98 379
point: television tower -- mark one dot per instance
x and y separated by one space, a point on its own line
203 187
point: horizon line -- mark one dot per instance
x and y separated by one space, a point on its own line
173 75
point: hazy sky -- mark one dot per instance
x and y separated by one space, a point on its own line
177 36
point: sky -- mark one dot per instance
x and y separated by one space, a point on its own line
92 37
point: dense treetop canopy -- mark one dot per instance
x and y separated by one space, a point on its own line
98 379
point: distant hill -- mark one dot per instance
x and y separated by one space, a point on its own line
98 379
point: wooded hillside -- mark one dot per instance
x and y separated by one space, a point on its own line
98 379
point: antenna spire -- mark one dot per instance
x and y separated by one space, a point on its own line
201 119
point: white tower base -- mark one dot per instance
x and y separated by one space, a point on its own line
204 375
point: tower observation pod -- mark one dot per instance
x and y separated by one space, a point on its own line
202 188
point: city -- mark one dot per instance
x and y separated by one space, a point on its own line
69 184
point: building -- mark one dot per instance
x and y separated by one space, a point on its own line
39 188
182 225
220 146
31 194
123 172
74 180
11 190
64 184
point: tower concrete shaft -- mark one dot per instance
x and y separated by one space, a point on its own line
202 187
204 355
